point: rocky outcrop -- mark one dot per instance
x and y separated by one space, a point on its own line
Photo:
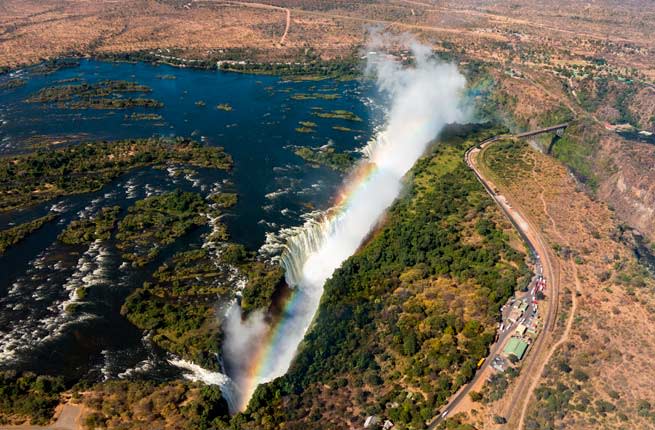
629 186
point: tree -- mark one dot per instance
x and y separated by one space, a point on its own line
500 420
476 396
410 344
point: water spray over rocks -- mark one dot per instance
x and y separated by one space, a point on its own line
422 99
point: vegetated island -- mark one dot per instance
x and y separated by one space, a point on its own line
315 96
306 127
15 234
87 230
108 94
326 155
337 114
178 306
44 175
138 116
224 200
157 221
12 83
224 107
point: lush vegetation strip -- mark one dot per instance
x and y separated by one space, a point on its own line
13 235
47 174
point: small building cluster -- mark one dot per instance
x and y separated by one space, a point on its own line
521 323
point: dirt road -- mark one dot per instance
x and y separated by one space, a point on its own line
68 419
287 11
286 29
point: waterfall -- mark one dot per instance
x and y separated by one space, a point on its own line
228 389
304 243
423 99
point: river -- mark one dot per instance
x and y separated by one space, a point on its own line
275 187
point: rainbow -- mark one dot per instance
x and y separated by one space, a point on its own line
424 99
262 360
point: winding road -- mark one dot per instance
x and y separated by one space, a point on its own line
538 354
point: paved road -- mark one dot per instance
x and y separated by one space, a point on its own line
544 263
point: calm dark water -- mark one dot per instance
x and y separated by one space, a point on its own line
638 137
275 189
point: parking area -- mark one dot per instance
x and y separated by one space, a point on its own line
520 322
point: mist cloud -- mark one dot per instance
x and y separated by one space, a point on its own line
422 98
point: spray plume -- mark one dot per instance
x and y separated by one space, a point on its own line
422 99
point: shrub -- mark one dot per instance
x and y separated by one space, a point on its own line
580 375
499 420
475 396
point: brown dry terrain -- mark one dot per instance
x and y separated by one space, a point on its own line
605 326
538 33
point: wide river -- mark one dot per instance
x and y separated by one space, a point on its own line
275 187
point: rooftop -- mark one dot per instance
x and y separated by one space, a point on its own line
516 347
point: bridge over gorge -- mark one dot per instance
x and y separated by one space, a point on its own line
558 129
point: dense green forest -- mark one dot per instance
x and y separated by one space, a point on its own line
403 322
178 305
157 221
86 230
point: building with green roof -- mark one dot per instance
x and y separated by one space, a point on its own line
516 347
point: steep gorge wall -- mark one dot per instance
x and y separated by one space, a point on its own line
629 188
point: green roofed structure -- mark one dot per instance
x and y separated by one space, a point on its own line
516 347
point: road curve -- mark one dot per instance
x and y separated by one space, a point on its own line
538 247
534 362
